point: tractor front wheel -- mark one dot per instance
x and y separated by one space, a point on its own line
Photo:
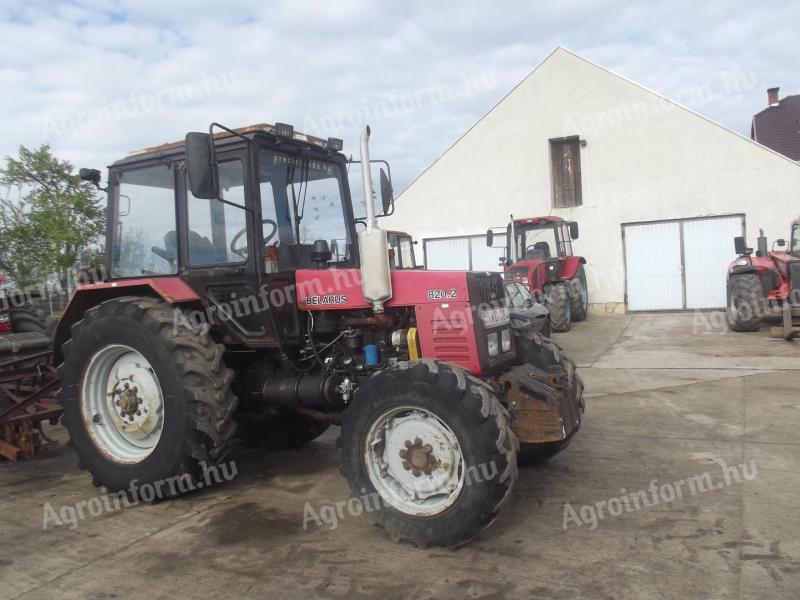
745 303
429 451
145 402
560 307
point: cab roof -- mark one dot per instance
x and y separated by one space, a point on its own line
248 131
538 220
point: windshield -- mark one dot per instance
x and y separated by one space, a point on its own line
302 201
538 243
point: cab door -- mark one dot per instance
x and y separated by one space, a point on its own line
220 260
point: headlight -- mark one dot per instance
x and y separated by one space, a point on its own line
742 262
505 340
4 318
493 349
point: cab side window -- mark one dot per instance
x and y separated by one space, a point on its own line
144 238
795 247
218 231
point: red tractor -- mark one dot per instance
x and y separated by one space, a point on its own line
225 304
765 284
539 255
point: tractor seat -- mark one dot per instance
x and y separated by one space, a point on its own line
201 250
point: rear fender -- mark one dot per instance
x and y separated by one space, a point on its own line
172 290
570 267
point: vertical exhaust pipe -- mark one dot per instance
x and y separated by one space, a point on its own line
373 244
513 242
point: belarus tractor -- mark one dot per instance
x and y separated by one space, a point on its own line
539 256
766 284
241 299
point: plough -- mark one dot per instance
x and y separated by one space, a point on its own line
28 382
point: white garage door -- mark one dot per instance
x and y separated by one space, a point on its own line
447 254
708 250
465 253
679 265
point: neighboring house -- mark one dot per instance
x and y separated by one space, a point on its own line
658 190
778 126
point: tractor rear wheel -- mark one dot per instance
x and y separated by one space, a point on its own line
560 307
745 303
429 450
277 432
579 296
145 402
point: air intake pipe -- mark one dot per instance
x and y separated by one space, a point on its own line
373 244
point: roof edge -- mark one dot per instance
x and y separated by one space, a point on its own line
610 72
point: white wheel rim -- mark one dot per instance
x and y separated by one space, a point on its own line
414 461
122 404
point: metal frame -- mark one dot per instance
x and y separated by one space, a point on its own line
680 222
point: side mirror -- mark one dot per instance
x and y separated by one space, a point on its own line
489 237
201 167
573 230
780 242
740 245
387 194
91 175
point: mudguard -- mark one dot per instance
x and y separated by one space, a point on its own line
172 290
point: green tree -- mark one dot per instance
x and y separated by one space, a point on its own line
56 221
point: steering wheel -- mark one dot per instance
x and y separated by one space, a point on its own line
242 251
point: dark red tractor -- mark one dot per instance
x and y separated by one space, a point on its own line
767 284
539 255
239 299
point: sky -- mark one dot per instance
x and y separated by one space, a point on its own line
98 79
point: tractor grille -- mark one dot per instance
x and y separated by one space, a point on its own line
794 282
450 341
486 289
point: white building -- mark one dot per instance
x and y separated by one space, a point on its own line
644 175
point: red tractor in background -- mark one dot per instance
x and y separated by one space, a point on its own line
539 255
766 284
225 310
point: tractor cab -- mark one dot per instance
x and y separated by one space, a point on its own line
401 250
278 202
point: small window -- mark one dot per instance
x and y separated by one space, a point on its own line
565 169
144 235
795 246
218 231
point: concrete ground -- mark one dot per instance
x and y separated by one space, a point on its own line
669 397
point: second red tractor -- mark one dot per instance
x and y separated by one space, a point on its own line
539 255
